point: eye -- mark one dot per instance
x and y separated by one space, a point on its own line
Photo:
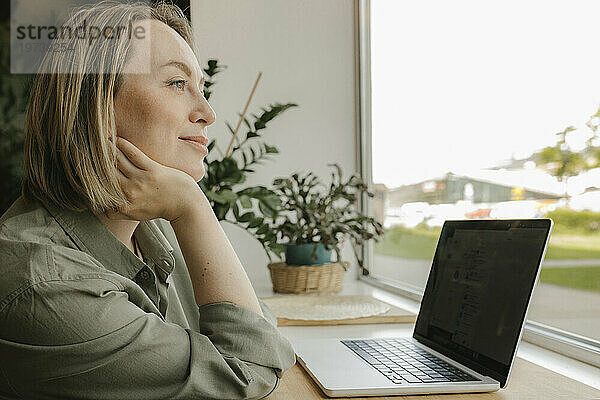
179 84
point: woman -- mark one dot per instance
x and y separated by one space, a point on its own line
118 281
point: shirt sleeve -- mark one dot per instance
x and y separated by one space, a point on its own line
83 338
268 313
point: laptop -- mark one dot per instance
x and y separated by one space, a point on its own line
469 325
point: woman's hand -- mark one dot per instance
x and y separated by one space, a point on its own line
153 190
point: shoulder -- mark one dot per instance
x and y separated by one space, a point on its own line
28 222
27 265
63 311
31 244
56 295
35 249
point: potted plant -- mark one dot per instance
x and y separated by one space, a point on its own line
312 222
227 170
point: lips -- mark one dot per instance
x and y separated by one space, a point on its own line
199 142
199 139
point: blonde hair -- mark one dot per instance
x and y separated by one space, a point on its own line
69 159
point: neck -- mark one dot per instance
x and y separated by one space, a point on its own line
122 229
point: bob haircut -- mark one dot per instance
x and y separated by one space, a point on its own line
69 155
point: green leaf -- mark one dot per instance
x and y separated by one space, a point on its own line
246 217
271 149
217 198
256 192
268 114
272 200
221 210
228 172
245 201
255 222
229 196
251 134
214 67
230 128
266 208
270 237
211 145
262 230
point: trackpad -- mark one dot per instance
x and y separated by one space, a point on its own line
336 366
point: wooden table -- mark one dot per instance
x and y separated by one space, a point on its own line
527 381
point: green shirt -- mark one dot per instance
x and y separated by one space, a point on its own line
81 317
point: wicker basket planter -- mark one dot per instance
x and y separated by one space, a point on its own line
303 279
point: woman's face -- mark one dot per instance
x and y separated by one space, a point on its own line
155 110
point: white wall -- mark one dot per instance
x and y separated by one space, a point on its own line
305 50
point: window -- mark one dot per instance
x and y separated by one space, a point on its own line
485 110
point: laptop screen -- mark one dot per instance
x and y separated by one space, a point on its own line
478 291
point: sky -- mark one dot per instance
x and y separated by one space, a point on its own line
461 85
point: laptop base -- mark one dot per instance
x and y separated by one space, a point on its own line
338 381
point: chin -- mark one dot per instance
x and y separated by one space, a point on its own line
197 174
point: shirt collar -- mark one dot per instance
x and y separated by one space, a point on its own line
92 237
155 246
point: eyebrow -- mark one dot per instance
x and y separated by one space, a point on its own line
182 66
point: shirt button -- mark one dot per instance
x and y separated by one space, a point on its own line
145 275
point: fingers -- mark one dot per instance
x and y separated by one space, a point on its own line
131 164
125 166
133 154
122 178
121 212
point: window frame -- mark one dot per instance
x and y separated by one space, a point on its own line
572 345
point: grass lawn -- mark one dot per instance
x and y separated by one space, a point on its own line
564 252
419 243
565 246
407 243
585 278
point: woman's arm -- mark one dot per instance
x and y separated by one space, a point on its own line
79 336
157 191
215 270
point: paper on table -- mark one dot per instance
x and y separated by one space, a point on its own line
331 307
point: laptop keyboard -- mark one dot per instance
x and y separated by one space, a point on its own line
403 362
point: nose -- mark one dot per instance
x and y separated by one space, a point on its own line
203 113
